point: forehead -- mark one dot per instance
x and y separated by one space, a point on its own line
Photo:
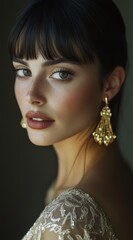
46 62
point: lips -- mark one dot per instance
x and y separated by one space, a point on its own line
37 120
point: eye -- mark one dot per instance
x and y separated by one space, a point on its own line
62 75
21 73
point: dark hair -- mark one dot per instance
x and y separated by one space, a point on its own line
81 30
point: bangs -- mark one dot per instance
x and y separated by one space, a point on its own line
51 32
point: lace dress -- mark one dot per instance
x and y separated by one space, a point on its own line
73 215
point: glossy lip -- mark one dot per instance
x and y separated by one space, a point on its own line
33 123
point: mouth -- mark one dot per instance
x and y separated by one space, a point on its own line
37 120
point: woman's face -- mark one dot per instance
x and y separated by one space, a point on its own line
57 99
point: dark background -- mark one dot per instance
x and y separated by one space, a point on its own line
26 171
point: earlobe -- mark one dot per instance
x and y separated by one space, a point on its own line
114 82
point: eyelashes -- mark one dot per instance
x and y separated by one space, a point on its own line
61 74
22 72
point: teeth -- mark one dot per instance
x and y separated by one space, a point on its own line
38 119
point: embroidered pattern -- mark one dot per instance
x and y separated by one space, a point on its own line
73 215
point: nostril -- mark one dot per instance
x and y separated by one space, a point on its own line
36 98
38 102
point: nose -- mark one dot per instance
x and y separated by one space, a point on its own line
36 93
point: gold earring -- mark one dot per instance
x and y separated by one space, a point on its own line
22 123
104 133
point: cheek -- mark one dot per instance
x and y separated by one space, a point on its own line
17 92
82 101
19 95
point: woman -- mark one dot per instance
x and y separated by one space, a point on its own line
70 59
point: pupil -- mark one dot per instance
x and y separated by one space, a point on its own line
63 74
26 73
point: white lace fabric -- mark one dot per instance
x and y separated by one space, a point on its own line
73 215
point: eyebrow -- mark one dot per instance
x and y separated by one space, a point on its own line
49 62
19 60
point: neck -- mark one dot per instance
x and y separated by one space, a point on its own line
76 156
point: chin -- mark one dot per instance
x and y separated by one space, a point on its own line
40 143
39 140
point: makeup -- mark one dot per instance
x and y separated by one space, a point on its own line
38 120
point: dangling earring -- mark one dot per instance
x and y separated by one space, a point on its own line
104 133
22 123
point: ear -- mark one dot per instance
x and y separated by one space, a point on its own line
114 82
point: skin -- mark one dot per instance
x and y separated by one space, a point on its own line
70 94
74 104
78 98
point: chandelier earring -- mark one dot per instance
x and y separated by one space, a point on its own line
104 133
